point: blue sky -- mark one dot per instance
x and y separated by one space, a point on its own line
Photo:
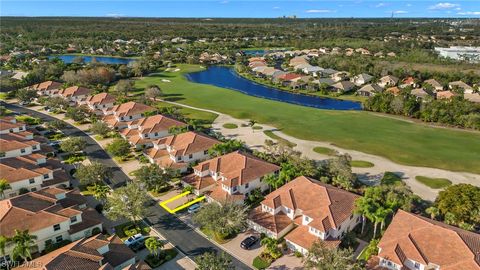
241 8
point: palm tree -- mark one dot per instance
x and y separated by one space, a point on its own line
271 245
433 212
382 214
4 185
154 245
252 123
3 243
100 192
24 242
273 181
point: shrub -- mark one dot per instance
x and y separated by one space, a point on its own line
259 263
298 254
96 230
99 208
52 247
164 256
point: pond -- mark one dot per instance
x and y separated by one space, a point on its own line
68 58
226 77
261 52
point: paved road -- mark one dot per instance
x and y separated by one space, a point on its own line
178 233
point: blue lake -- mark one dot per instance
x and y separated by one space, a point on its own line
68 58
227 78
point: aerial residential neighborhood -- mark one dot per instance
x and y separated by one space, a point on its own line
219 135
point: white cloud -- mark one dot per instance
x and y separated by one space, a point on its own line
409 5
400 12
224 2
276 7
444 6
458 8
380 5
319 11
115 15
475 13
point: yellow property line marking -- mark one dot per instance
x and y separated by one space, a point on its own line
164 203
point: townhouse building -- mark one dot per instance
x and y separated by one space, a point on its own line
413 242
304 211
230 177
119 116
51 214
180 150
142 131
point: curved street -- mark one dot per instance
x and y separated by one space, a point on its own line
183 237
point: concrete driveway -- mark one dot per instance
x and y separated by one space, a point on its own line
247 256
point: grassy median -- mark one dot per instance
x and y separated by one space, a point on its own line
400 141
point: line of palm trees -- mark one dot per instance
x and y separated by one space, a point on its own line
24 243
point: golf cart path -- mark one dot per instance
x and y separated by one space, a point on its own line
255 139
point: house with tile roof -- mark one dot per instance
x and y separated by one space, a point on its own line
369 90
472 97
98 252
461 85
48 88
420 94
408 82
143 131
393 90
445 94
75 94
51 214
414 242
342 87
388 81
362 79
119 116
10 125
230 177
304 211
180 150
434 84
31 172
100 102
15 145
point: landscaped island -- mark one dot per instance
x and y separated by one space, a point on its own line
401 141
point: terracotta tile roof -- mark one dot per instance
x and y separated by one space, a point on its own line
273 223
37 210
394 90
238 168
289 76
472 97
218 194
10 145
328 206
48 85
6 125
460 84
305 239
445 94
74 91
188 143
85 254
102 98
428 241
15 173
130 109
198 182
156 123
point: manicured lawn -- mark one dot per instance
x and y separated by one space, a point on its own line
324 151
435 183
272 135
259 263
400 141
361 164
230 125
206 118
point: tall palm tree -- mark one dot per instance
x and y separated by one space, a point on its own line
100 192
4 185
24 242
154 245
273 181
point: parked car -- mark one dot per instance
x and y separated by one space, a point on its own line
248 242
134 239
193 208
137 246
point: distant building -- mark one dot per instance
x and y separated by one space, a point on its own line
470 54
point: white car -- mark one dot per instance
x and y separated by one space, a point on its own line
134 238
